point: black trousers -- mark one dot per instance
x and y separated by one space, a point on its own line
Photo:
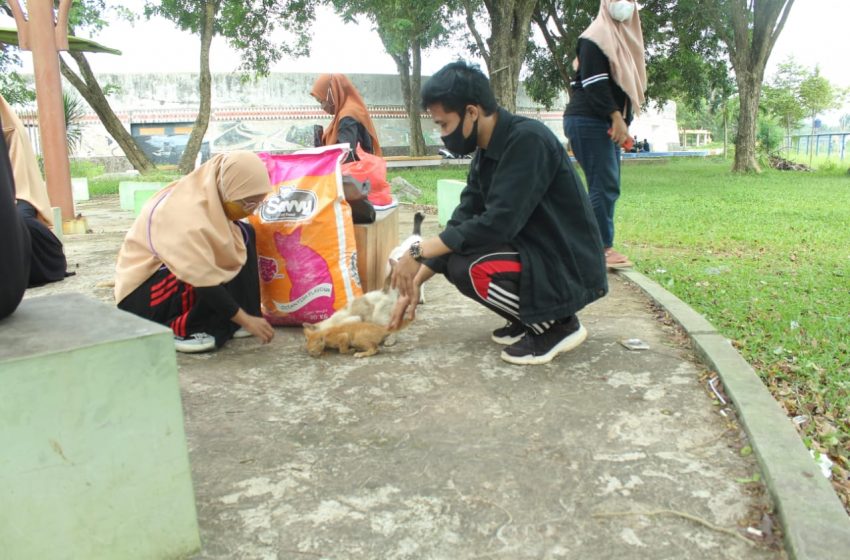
166 300
48 259
492 279
15 244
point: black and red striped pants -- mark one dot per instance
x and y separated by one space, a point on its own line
166 300
492 279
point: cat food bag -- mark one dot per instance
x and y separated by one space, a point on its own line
305 238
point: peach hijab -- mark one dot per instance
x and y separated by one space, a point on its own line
622 43
29 185
185 228
339 90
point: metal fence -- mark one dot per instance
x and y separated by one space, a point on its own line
829 144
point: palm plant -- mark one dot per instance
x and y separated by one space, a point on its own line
74 109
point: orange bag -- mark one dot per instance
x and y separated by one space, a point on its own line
373 168
305 239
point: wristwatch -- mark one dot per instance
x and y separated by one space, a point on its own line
416 252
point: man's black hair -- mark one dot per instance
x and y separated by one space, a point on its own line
457 85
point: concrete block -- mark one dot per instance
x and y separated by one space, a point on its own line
80 188
141 196
448 197
127 189
94 461
57 222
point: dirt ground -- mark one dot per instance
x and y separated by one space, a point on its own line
436 449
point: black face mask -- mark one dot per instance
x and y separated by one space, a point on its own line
457 143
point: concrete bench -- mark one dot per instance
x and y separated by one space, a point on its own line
448 197
94 461
127 191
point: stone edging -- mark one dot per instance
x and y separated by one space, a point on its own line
814 522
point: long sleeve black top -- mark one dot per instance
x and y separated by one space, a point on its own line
594 93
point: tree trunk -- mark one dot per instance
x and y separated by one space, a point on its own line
510 25
414 110
410 76
750 34
193 146
90 89
749 89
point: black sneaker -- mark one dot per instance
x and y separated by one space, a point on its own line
535 349
508 334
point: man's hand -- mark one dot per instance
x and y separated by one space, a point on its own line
404 274
405 309
257 326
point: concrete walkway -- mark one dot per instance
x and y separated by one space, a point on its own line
436 449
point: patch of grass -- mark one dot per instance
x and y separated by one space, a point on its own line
81 168
104 185
766 258
425 178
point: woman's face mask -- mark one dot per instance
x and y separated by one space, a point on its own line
459 144
621 10
328 104
238 209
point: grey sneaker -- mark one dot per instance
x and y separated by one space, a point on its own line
194 343
508 334
535 349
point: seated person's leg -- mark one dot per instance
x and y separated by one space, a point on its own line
15 245
164 299
48 258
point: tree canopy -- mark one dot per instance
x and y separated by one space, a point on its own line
683 60
252 28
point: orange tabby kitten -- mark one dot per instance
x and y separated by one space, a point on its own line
359 335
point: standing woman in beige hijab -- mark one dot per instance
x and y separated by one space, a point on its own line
188 262
608 90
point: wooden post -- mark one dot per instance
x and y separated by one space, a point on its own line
38 32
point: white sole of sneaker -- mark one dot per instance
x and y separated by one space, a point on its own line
194 349
570 343
242 333
506 340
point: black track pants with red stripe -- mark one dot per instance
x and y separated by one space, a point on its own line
164 299
492 279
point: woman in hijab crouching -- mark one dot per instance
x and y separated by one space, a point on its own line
188 263
351 122
608 90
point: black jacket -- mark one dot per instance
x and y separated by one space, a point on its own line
523 191
594 93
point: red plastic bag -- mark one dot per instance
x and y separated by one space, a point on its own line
373 168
